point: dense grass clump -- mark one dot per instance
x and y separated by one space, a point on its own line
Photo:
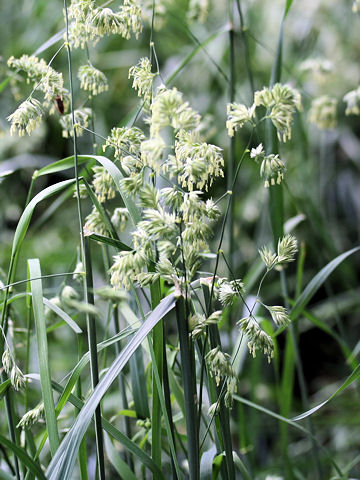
179 287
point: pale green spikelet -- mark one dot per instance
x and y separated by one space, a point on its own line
149 196
92 80
126 267
219 364
79 272
198 10
7 361
169 109
126 142
152 152
94 223
26 117
237 115
32 416
198 323
281 101
317 66
258 339
120 218
214 409
49 313
103 184
323 112
257 153
229 291
82 119
279 315
124 22
268 257
272 170
143 79
352 100
287 249
199 162
44 77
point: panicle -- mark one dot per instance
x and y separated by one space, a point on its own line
92 79
94 223
258 339
272 170
103 184
198 10
26 117
119 218
169 109
200 162
287 249
279 315
229 291
323 112
143 79
352 100
82 119
32 416
237 115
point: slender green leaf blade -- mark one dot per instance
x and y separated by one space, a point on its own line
23 457
64 459
25 218
351 378
317 282
43 354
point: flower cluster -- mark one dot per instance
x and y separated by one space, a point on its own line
286 251
356 6
198 10
280 101
258 339
26 117
143 79
32 416
29 114
176 219
92 80
229 291
103 184
94 223
44 77
89 23
323 112
272 168
16 376
220 368
317 66
82 118
198 323
352 100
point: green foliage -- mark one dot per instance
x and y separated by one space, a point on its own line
157 280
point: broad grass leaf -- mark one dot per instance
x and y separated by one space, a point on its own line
64 459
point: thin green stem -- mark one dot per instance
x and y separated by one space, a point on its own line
86 260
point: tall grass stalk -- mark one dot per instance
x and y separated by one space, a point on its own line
86 260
